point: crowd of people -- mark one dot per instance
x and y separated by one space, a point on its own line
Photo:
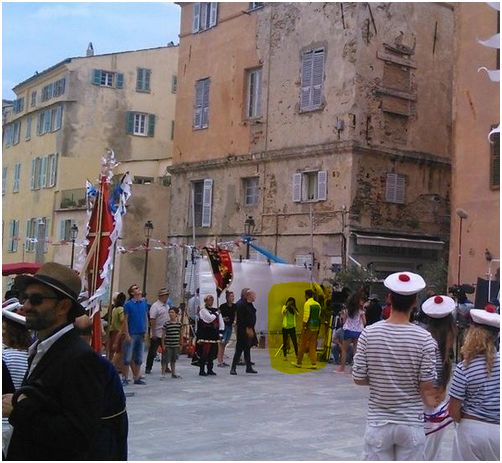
61 400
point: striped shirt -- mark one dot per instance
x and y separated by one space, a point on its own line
479 393
395 358
172 332
17 364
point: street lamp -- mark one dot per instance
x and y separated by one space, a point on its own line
73 236
462 215
248 230
148 232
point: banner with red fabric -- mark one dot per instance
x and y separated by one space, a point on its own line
221 265
101 225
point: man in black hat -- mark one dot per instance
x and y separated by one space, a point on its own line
71 405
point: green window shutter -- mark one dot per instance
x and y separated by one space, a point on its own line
151 125
139 79
130 122
147 79
120 80
96 79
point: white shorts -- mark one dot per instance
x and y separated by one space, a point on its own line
394 442
476 440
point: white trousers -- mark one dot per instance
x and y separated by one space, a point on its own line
476 440
432 444
394 442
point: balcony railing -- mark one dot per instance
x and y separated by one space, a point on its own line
72 199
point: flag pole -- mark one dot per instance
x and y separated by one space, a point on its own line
110 303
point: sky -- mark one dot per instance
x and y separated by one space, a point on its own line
37 35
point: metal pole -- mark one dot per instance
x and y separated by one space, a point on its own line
146 266
459 251
72 252
247 247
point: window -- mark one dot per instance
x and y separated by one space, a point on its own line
17 176
172 130
27 135
141 124
254 94
65 229
4 180
251 191
12 134
37 235
47 92
107 78
495 159
201 108
310 186
395 188
13 235
33 98
255 5
50 120
18 105
30 235
43 172
312 79
143 80
58 87
174 84
202 196
137 180
205 15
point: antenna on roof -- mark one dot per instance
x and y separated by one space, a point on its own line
90 50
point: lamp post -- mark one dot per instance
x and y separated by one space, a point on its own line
462 215
148 233
73 236
248 230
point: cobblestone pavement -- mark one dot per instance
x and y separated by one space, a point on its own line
319 415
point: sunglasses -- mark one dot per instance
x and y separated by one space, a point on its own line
36 298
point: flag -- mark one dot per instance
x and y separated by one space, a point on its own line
221 265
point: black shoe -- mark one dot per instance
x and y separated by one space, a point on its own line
252 363
202 373
250 370
211 373
233 372
147 372
241 363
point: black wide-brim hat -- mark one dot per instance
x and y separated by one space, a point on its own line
60 278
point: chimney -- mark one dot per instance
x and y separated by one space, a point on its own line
90 50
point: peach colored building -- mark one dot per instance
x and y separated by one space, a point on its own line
329 124
476 161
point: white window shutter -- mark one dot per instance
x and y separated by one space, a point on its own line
213 15
305 99
43 173
196 17
207 202
15 235
205 104
322 178
33 173
297 187
62 227
46 237
400 189
199 93
317 77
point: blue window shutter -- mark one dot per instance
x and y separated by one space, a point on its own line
196 17
306 85
147 79
120 80
151 125
207 200
213 14
139 79
199 92
322 180
96 79
205 104
33 172
130 122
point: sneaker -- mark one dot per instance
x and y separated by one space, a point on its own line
125 382
176 376
233 372
148 372
250 370
139 381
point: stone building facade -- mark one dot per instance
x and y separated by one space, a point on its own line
62 122
476 158
328 123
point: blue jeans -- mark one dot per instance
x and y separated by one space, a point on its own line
134 350
227 333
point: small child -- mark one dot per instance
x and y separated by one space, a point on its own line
171 335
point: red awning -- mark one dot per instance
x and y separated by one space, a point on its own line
18 268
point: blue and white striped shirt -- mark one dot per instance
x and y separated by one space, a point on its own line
479 393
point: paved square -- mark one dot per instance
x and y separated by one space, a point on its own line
319 415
